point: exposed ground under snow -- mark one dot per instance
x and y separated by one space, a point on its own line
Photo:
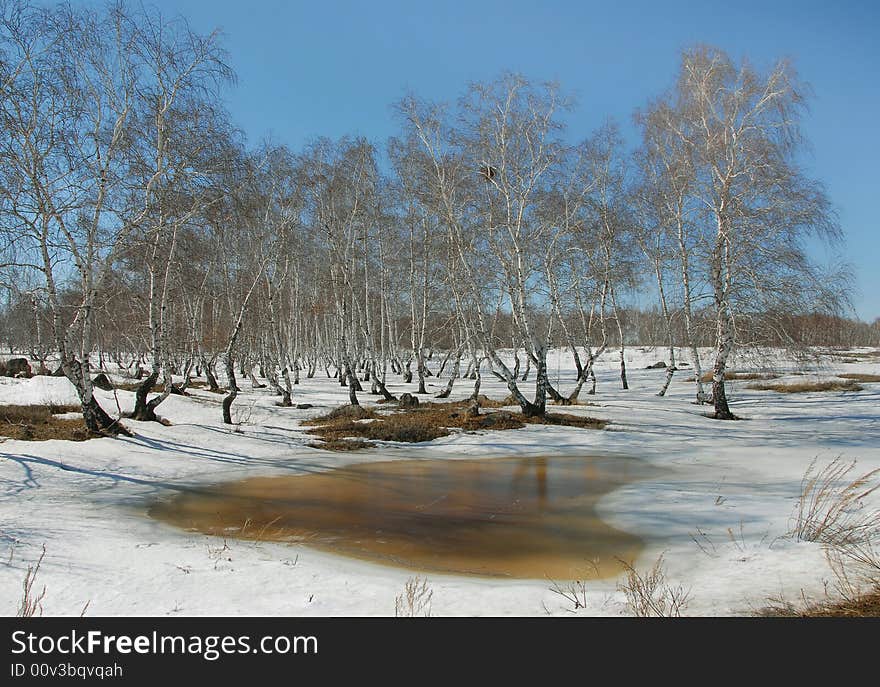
732 485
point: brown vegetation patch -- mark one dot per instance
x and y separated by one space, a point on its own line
568 420
342 413
341 444
804 387
860 377
855 356
866 606
486 402
863 606
345 428
733 375
38 423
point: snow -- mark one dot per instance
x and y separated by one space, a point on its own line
732 486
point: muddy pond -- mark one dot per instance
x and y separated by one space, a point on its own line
518 517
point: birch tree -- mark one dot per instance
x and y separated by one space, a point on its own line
740 126
68 90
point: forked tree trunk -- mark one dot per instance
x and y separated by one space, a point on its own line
209 376
379 385
145 410
456 366
141 411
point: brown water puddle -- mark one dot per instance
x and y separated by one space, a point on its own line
502 517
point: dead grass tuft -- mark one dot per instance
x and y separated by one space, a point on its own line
860 377
733 375
830 506
805 387
31 603
347 429
38 423
865 606
857 355
341 444
854 592
568 420
486 402
415 601
343 413
648 594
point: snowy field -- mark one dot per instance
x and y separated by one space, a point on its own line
731 485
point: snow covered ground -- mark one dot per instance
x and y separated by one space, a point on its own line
732 486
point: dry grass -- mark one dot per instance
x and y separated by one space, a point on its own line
865 606
854 591
860 377
831 510
342 413
649 595
830 506
805 387
857 355
567 420
575 591
733 375
38 423
415 600
341 444
353 427
31 603
486 402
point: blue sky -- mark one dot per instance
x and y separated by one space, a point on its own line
330 68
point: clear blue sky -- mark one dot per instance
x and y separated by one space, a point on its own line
331 68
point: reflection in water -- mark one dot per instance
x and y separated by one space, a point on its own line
511 517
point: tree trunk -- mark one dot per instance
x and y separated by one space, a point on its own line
96 418
456 366
140 397
209 376
143 411
233 391
670 370
352 385
420 370
286 400
719 395
380 386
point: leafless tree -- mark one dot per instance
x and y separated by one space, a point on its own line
739 127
